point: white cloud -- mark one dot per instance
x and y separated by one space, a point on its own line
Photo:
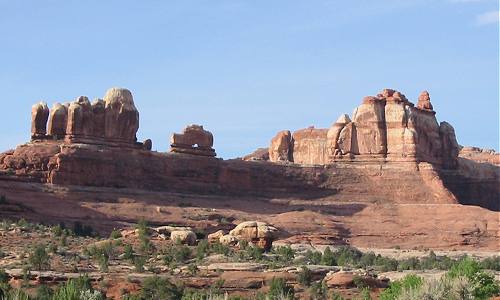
489 17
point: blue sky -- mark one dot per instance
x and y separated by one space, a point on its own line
247 69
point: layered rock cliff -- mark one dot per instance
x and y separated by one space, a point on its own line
389 152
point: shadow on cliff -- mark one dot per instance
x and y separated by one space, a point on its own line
474 183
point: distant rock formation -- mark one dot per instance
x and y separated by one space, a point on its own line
113 121
39 116
384 127
193 140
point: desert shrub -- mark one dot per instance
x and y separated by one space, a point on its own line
328 258
359 282
139 262
128 252
219 248
286 253
365 294
175 254
313 257
396 288
252 252
491 263
346 255
4 277
38 258
73 289
445 288
155 288
115 234
102 254
43 292
367 259
57 230
336 296
202 249
386 264
484 283
82 230
304 277
319 290
279 290
15 294
411 263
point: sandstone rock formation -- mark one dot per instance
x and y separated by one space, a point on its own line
258 233
58 121
193 140
39 116
281 146
113 121
385 127
183 236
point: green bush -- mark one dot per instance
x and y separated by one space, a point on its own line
115 234
491 263
286 253
4 277
346 255
43 292
279 290
319 290
328 258
175 254
202 249
128 252
73 289
484 283
304 277
139 262
313 257
396 288
38 258
156 288
365 294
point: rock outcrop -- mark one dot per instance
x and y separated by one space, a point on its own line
39 117
258 233
385 127
113 121
193 140
281 146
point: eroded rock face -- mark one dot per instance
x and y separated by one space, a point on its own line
58 121
193 140
281 147
309 146
80 122
384 127
39 117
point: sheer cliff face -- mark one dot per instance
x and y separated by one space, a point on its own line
386 126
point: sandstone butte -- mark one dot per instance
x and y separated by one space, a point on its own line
388 175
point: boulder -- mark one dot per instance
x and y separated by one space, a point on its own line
184 236
215 237
121 116
281 147
347 142
58 121
39 117
193 140
258 233
228 240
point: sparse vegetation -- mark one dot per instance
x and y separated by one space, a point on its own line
38 258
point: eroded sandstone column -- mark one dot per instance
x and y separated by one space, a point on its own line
80 119
333 135
281 147
121 116
369 119
39 117
58 121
